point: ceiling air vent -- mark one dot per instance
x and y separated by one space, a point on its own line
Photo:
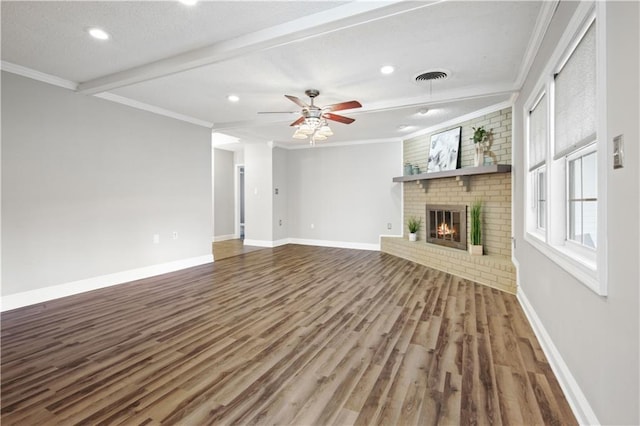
431 75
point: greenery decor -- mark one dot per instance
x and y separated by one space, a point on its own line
414 224
480 134
476 225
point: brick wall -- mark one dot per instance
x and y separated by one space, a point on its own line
494 269
416 150
494 190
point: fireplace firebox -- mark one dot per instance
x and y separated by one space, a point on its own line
447 225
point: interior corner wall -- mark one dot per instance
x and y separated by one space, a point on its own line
280 195
223 193
345 193
258 184
597 337
86 183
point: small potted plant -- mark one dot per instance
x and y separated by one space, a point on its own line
475 232
480 138
414 226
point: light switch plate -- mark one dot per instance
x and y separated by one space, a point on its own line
618 152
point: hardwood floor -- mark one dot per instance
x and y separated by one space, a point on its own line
229 248
292 335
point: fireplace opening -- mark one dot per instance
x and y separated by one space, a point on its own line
447 225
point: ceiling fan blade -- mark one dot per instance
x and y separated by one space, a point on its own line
338 118
297 101
342 105
298 121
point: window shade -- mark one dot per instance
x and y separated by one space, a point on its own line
538 133
575 97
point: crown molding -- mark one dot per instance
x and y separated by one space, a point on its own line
37 75
154 109
324 144
461 119
543 21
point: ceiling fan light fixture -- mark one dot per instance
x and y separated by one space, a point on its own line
306 129
299 135
319 137
325 130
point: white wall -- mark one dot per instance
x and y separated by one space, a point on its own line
86 183
280 200
346 192
597 337
258 172
223 193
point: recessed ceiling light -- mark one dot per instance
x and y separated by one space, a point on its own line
423 111
188 2
387 69
99 34
233 98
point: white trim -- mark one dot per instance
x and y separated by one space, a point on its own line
318 243
218 238
461 119
543 21
154 109
331 145
18 300
37 75
266 243
576 398
336 244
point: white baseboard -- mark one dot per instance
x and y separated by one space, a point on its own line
337 244
218 238
308 242
578 402
259 243
31 297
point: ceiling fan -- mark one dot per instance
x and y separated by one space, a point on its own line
313 119
312 111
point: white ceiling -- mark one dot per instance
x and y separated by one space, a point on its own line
184 61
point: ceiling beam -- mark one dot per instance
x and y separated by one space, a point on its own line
335 19
386 105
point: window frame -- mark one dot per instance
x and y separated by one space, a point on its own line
588 266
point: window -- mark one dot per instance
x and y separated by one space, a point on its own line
538 141
563 129
582 205
541 198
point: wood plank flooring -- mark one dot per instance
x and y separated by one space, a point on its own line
228 248
293 335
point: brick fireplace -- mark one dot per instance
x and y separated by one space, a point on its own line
495 268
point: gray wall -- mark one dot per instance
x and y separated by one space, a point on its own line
280 200
596 336
223 193
86 183
258 187
346 192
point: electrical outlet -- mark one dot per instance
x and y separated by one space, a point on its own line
280 222
313 226
174 235
389 226
156 238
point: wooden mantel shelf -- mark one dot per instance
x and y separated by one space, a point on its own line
461 175
465 171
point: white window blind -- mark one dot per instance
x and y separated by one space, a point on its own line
538 133
575 97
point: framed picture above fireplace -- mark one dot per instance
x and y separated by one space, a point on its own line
444 151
